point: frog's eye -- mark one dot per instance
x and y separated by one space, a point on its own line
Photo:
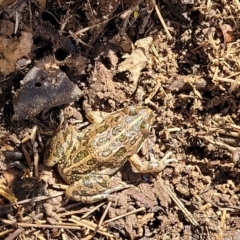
131 111
115 119
145 128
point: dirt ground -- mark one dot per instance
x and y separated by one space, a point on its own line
59 60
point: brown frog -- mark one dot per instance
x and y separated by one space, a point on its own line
89 158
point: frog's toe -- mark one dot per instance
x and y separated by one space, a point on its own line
166 160
169 161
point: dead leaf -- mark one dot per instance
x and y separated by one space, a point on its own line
136 61
227 32
13 49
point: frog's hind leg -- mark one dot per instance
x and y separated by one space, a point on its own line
94 187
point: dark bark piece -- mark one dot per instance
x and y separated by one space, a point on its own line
40 91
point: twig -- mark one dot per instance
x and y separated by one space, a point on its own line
71 226
104 214
161 20
37 199
90 225
5 232
95 25
85 215
16 22
123 215
7 195
173 196
14 234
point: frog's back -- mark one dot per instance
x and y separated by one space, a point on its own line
101 147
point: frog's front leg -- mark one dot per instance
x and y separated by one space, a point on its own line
94 187
150 166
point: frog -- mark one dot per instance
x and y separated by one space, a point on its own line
88 159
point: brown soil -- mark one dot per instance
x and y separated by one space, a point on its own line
108 55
